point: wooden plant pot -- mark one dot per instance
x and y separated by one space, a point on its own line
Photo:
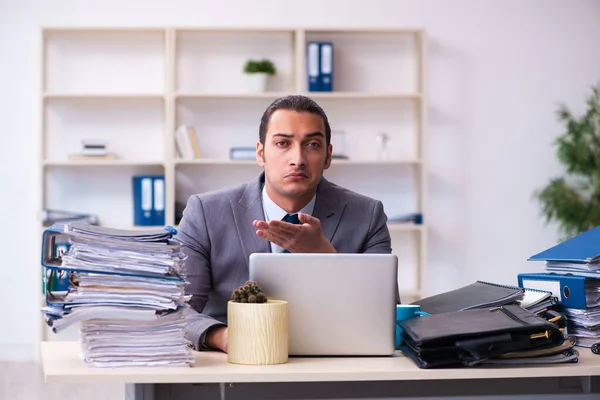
258 333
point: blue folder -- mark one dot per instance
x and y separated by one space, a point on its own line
158 200
148 200
313 66
570 290
326 66
583 248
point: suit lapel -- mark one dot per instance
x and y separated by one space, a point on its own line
245 210
328 208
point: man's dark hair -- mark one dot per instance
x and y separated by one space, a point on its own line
296 103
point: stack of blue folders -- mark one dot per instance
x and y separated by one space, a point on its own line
124 288
572 274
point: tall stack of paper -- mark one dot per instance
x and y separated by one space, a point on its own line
125 288
572 274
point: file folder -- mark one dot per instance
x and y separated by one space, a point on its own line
313 66
148 200
583 248
571 291
326 66
158 214
54 244
142 200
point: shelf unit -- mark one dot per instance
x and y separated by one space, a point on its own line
134 86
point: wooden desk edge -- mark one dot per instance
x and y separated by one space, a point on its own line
61 364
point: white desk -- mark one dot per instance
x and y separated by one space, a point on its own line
392 376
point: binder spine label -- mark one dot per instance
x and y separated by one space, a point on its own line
147 195
159 194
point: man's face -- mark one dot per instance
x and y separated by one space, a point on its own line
295 153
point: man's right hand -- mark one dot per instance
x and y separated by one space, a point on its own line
216 338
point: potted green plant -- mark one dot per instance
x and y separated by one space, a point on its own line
573 200
257 74
258 328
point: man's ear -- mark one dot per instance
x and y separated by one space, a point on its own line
260 152
328 156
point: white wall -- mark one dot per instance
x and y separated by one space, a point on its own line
497 70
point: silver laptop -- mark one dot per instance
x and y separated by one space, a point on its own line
339 304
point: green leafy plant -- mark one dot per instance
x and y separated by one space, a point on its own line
250 292
573 201
256 66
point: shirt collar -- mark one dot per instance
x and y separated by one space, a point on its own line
273 211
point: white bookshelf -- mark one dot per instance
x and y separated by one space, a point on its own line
134 86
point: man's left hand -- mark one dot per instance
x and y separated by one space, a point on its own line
306 237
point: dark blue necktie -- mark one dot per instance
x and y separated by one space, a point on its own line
292 219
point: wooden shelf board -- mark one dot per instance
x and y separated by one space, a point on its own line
102 29
78 96
215 161
265 95
234 30
240 29
366 30
315 95
363 95
103 163
340 161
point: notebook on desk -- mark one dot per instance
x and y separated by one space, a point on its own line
475 295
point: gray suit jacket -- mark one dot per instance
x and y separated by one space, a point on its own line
218 237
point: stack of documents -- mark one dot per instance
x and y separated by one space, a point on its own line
126 291
584 324
572 274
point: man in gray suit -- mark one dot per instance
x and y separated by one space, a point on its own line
220 229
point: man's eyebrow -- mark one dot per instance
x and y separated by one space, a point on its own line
291 135
315 134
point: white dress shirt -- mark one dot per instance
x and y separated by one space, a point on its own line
273 211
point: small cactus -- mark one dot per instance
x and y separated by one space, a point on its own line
250 292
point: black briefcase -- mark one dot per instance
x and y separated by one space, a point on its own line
472 336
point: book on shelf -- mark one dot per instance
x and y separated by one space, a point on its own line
242 153
186 143
411 218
